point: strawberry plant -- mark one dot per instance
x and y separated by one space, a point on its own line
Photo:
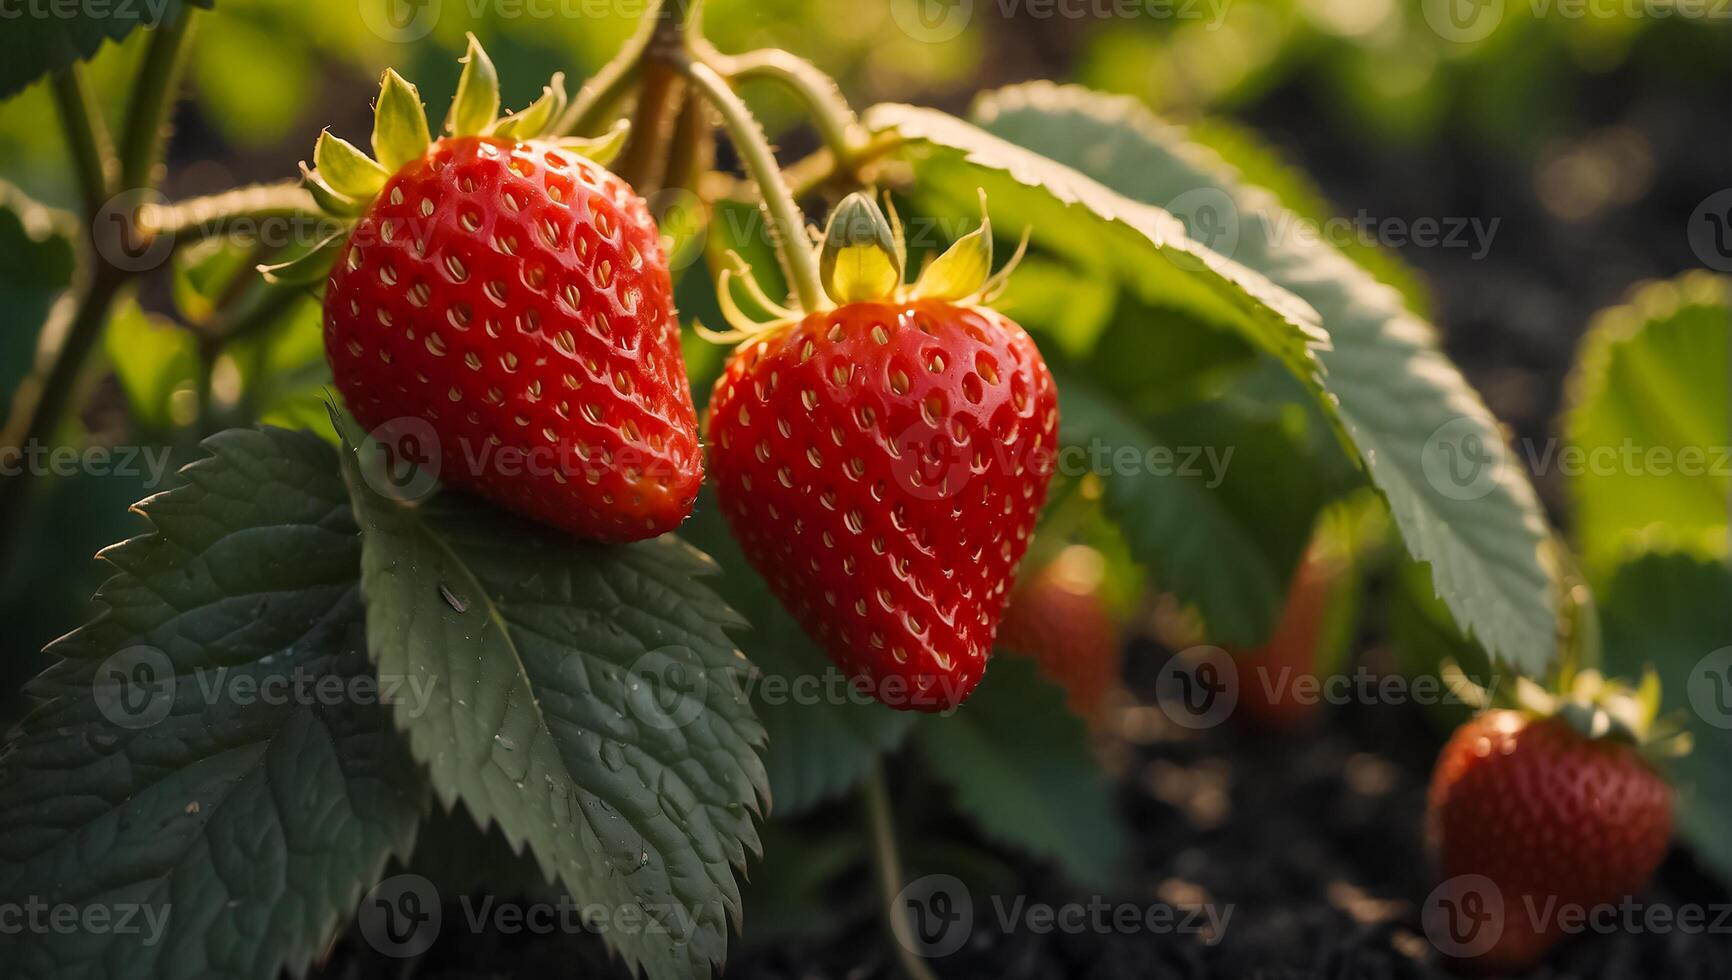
561 512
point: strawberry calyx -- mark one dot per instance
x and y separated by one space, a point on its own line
863 257
1591 704
343 179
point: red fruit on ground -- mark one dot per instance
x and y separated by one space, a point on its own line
1058 619
1274 677
882 465
1554 819
513 298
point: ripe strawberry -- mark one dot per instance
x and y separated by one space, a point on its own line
1272 676
1057 619
882 463
513 296
1552 817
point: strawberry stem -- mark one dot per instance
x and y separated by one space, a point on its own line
787 226
835 120
881 831
141 135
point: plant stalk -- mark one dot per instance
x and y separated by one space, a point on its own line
787 226
87 138
881 832
837 125
604 90
152 95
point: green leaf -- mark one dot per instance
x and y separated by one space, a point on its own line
1022 768
184 760
1190 492
45 37
1102 231
156 363
1670 609
823 736
477 100
37 243
346 169
1404 405
399 123
1650 423
587 702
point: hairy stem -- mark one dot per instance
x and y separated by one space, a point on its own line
607 88
837 125
43 397
881 832
152 95
86 138
787 225
236 211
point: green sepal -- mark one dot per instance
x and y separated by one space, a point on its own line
399 123
538 116
327 198
598 149
963 269
857 260
309 268
346 169
476 104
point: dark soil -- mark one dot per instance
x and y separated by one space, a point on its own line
1312 838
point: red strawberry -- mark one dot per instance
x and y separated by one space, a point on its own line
511 296
1273 676
1057 619
882 464
1551 817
